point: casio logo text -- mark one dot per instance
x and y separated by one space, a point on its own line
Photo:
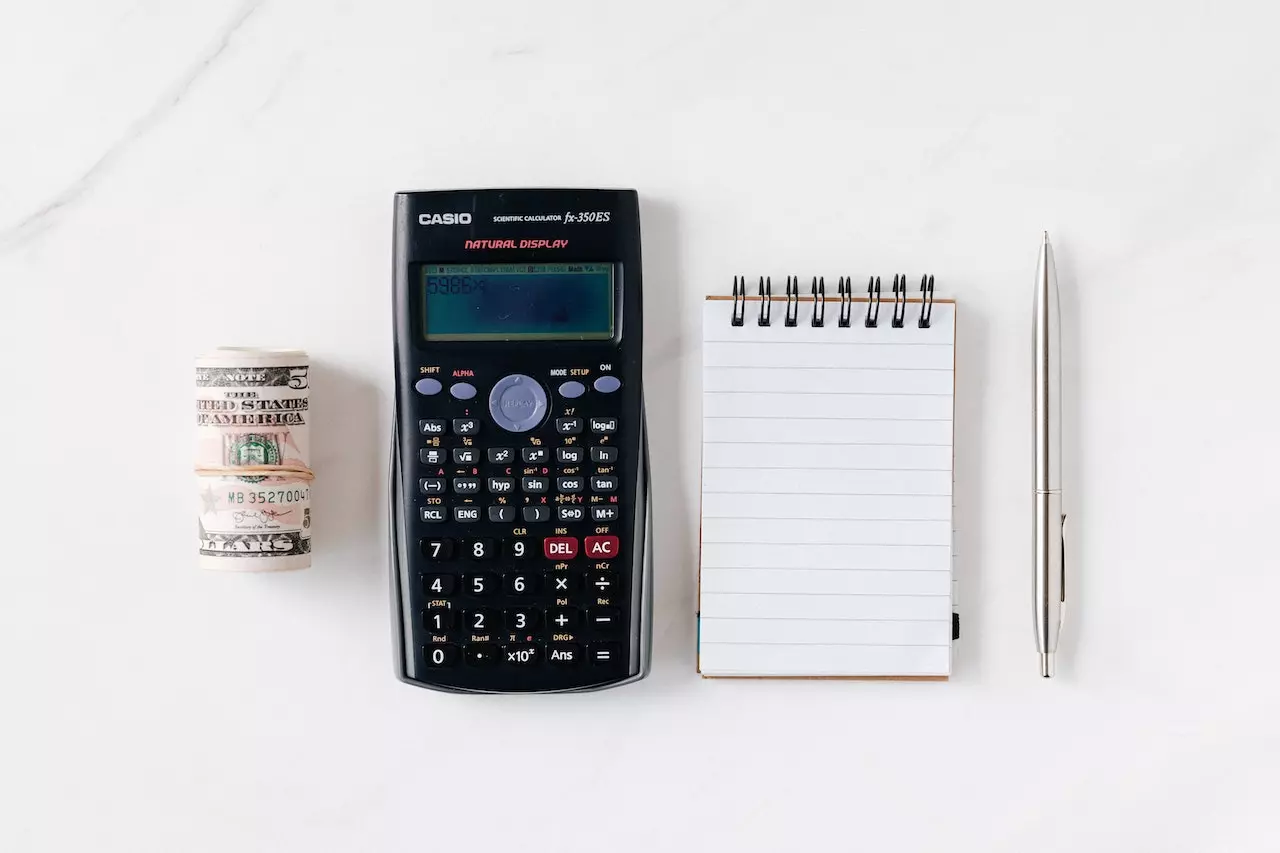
444 218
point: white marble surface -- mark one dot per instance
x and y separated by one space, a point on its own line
179 175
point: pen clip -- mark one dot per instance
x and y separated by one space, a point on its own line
1062 567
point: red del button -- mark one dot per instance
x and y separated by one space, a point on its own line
601 547
560 547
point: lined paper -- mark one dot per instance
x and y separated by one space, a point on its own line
826 494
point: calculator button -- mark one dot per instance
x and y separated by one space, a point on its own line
465 456
604 618
603 653
517 402
560 547
603 426
607 384
440 619
601 583
570 513
437 549
600 547
604 455
431 426
431 485
562 618
502 513
431 456
536 513
465 426
480 584
432 514
501 485
521 619
520 583
481 549
480 654
427 386
568 426
572 390
445 654
501 455
562 583
519 549
569 455
440 586
466 513
564 654
520 654
602 483
481 621
569 485
534 454
462 390
466 485
534 485
604 513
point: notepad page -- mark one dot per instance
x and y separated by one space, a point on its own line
826 494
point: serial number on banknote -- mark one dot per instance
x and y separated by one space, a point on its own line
272 497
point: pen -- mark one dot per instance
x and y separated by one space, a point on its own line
1049 583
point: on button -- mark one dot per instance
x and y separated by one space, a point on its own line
607 384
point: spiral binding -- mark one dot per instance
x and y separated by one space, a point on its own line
844 293
899 300
926 295
793 300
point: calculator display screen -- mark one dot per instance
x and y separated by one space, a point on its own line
517 302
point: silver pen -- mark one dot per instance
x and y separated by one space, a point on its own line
1050 586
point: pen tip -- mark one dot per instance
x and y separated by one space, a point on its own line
1046 236
1046 664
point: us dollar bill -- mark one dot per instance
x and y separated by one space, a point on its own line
253 415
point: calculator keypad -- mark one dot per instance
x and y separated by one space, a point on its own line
523 561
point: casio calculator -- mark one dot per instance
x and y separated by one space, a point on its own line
519 496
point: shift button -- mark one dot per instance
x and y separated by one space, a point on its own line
427 386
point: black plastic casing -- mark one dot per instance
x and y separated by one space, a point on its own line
458 227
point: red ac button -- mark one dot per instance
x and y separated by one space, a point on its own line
601 547
560 547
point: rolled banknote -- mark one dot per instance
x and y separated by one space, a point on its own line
253 459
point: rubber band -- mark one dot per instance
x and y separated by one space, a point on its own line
298 471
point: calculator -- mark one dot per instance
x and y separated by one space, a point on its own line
520 558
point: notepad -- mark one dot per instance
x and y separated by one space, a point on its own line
827 450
